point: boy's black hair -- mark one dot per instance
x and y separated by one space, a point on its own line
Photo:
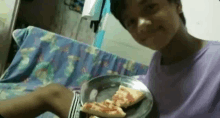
117 7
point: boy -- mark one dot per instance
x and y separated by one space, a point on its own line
183 76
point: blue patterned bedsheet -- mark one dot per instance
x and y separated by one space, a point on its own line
45 57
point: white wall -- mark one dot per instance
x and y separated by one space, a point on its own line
118 41
6 20
203 18
203 21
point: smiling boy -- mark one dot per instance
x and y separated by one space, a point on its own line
183 77
184 74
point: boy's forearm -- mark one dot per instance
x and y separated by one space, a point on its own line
28 106
53 98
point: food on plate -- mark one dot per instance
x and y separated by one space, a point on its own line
126 97
123 98
103 109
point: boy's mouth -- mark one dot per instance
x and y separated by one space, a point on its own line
151 35
148 34
155 30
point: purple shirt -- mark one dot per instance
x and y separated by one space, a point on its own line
187 89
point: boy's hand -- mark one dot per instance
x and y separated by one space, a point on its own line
57 98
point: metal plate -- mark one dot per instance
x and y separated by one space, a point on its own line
104 87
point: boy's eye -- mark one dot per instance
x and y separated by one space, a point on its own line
130 23
149 8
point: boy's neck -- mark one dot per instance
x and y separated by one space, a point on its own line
181 46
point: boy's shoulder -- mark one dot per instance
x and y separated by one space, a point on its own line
215 43
214 46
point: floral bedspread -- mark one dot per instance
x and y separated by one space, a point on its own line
45 57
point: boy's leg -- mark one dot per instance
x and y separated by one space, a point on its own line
54 98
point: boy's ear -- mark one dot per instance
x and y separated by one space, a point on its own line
179 8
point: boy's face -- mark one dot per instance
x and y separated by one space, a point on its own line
152 23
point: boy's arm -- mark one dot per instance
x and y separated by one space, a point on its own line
54 98
28 106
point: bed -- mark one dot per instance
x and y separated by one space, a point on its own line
45 57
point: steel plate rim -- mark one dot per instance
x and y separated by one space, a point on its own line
144 115
98 78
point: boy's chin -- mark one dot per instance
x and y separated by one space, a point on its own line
156 48
156 43
153 46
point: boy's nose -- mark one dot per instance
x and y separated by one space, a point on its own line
143 24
